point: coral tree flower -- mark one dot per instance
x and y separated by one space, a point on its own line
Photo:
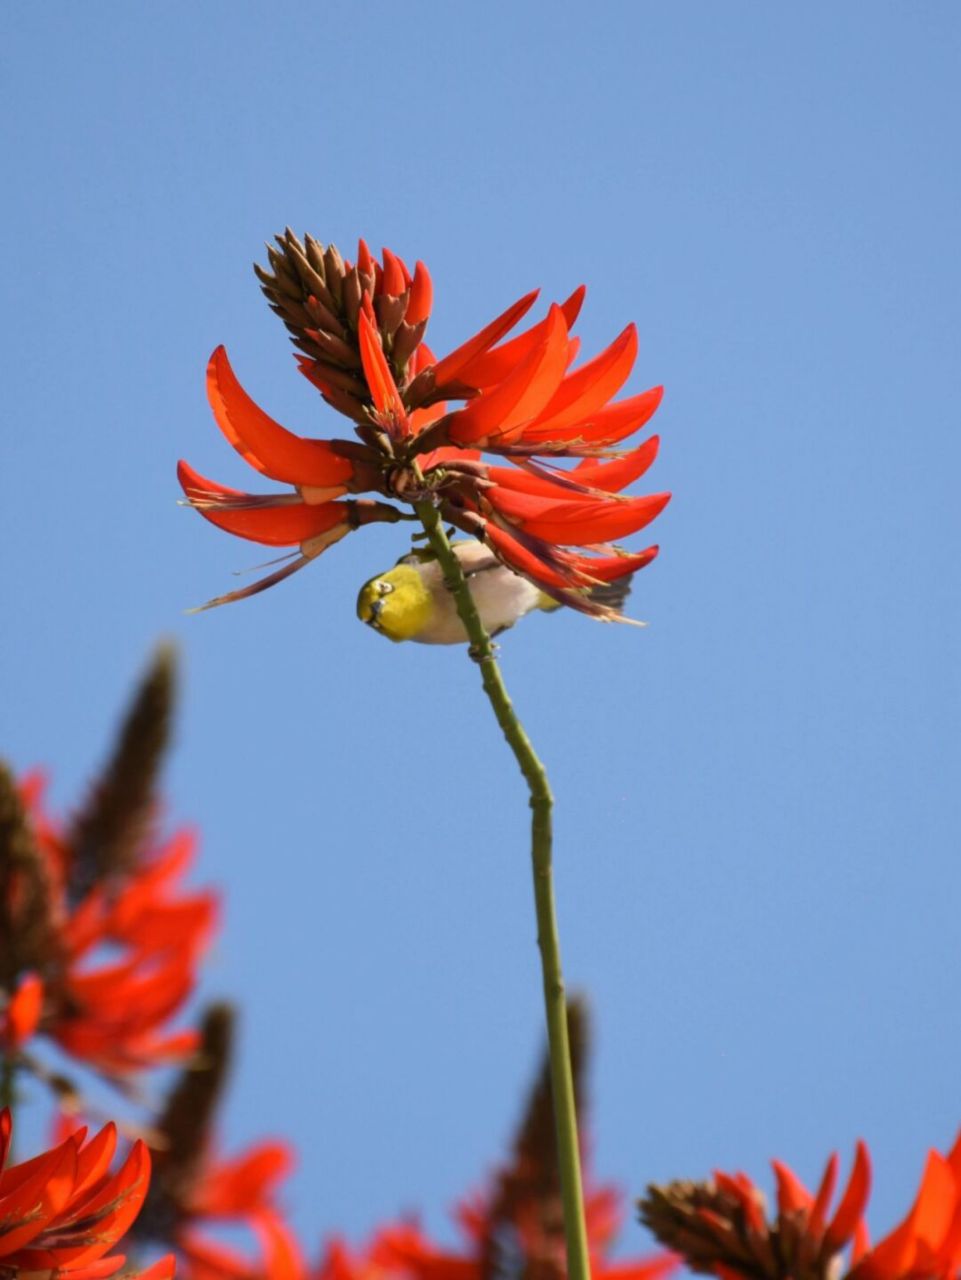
359 329
721 1228
516 1227
99 943
62 1212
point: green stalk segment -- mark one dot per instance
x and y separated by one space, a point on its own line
541 801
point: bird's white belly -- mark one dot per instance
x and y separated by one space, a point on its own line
501 598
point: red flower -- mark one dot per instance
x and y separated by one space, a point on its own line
360 331
278 1256
62 1212
99 943
527 1240
123 959
242 1190
721 1227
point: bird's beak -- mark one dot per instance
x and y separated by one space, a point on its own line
375 610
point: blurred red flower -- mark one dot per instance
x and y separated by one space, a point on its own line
63 1211
122 959
99 941
360 328
516 1226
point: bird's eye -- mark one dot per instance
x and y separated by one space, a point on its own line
385 588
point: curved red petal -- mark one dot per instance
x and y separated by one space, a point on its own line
285 525
588 389
918 1238
792 1194
606 427
853 1202
421 296
264 443
497 413
447 370
578 523
380 380
493 366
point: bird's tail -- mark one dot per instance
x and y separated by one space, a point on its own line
610 594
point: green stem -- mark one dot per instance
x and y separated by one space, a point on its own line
541 801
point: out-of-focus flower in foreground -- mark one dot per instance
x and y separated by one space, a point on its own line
63 1211
98 942
194 1191
516 1227
359 329
721 1227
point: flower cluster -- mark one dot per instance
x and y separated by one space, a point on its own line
100 946
359 328
99 942
63 1211
721 1228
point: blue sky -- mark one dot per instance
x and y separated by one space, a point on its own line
757 796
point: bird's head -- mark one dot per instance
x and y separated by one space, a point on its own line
396 603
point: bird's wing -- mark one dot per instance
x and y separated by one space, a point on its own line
475 557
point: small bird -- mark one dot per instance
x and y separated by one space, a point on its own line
411 602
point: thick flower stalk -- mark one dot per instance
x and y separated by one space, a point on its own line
721 1227
62 1212
359 328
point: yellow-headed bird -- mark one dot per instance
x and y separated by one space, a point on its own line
410 601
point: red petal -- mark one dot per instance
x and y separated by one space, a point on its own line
610 477
792 1194
281 1255
608 426
98 1270
380 380
94 1159
285 525
264 443
38 1200
421 296
662 1264
446 370
578 523
588 389
853 1202
496 413
823 1199
493 366
163 1269
922 1232
394 283
610 568
23 1011
617 475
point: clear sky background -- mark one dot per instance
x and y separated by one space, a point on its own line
758 799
